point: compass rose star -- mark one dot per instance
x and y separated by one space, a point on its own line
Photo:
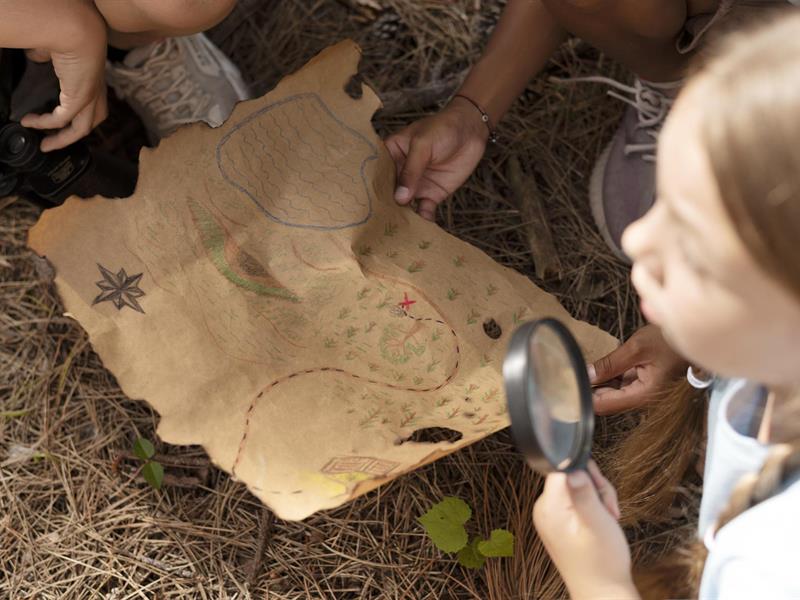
119 288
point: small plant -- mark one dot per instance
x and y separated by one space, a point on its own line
391 253
390 229
362 293
152 471
409 416
372 416
493 395
519 315
473 317
424 245
329 342
445 525
459 261
416 266
417 380
436 335
452 294
365 250
491 290
351 331
344 313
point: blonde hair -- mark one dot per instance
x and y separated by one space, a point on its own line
751 128
782 462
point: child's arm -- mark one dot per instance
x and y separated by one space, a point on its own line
518 49
435 155
576 518
72 34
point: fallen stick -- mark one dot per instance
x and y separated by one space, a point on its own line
431 93
264 531
537 230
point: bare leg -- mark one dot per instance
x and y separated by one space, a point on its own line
640 34
138 22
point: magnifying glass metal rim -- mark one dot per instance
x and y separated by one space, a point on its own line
516 373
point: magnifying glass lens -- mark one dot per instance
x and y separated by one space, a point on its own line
555 397
549 396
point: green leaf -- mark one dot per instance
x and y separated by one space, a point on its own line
469 556
500 543
444 523
153 474
143 449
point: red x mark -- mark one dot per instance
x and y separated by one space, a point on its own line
406 303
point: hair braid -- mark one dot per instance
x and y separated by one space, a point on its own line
782 462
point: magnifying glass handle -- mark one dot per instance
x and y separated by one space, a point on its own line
612 508
583 465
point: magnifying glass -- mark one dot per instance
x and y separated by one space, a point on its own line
549 397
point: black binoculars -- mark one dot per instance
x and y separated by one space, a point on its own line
50 177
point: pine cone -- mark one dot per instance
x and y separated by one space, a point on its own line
388 26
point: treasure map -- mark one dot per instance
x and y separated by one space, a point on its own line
263 292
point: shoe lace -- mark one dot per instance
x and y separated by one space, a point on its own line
651 104
179 97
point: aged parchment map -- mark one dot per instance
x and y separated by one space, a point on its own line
262 291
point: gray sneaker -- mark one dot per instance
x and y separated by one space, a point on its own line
622 187
177 81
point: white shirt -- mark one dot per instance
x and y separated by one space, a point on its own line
757 554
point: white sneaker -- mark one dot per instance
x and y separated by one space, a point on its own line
622 186
178 81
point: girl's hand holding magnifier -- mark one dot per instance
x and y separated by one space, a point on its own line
552 418
576 518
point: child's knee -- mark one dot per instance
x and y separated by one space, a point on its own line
654 19
588 5
175 17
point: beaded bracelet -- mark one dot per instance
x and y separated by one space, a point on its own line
484 117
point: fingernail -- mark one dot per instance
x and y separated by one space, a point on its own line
577 479
591 371
402 194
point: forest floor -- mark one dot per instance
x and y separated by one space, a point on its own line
74 520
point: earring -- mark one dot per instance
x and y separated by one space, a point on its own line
696 382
